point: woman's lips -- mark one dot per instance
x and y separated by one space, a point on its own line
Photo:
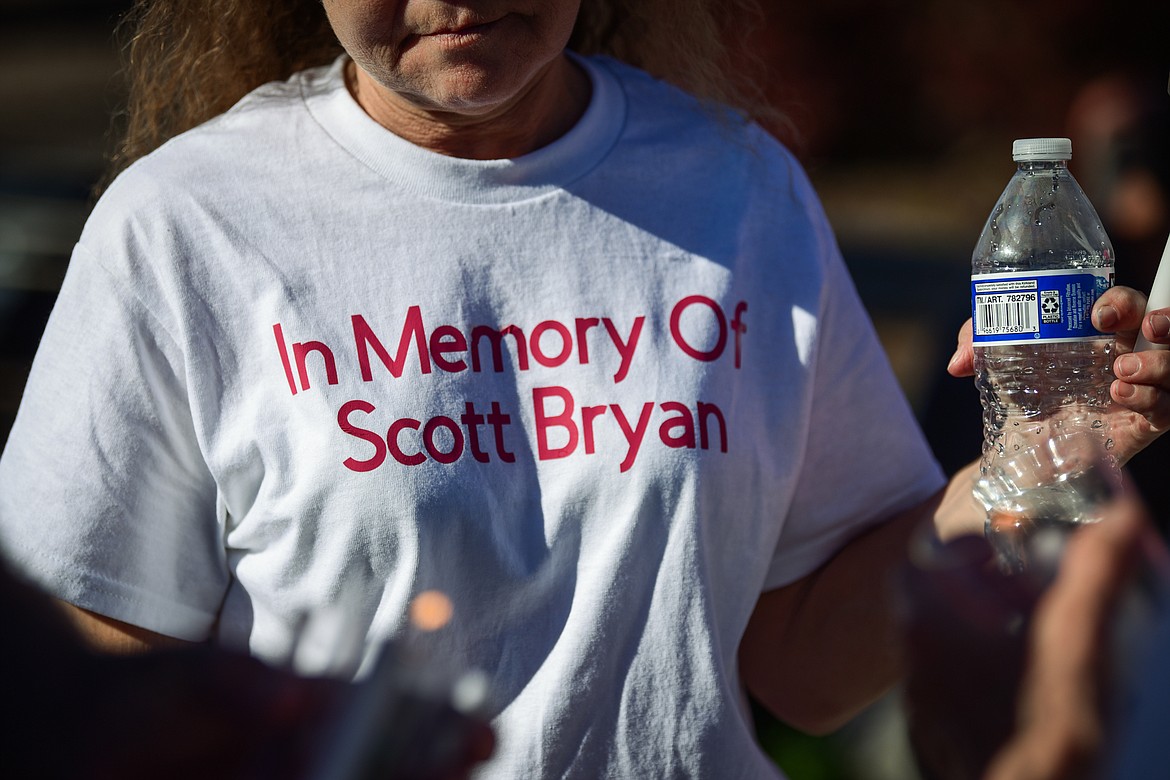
463 36
456 35
468 30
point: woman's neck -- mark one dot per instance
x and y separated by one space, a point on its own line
548 109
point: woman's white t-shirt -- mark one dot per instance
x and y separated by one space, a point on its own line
601 396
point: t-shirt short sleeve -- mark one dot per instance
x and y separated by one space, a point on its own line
865 457
105 500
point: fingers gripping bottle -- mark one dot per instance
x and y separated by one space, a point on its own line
1043 371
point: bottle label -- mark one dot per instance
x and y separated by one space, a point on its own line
1036 306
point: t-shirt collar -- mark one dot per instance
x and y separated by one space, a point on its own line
430 174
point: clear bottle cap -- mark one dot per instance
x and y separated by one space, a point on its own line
1025 149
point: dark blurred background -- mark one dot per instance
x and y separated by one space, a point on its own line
903 111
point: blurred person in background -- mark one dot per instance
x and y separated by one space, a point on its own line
509 300
1119 122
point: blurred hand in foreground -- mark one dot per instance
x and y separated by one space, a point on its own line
191 711
1010 675
1068 688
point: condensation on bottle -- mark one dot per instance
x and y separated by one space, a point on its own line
1042 260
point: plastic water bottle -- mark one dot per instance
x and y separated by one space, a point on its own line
1042 369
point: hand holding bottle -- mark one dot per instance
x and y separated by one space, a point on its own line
1141 391
1140 411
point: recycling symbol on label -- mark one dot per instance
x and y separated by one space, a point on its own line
1050 307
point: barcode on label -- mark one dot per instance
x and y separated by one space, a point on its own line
1006 313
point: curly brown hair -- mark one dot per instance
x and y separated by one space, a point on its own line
189 60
